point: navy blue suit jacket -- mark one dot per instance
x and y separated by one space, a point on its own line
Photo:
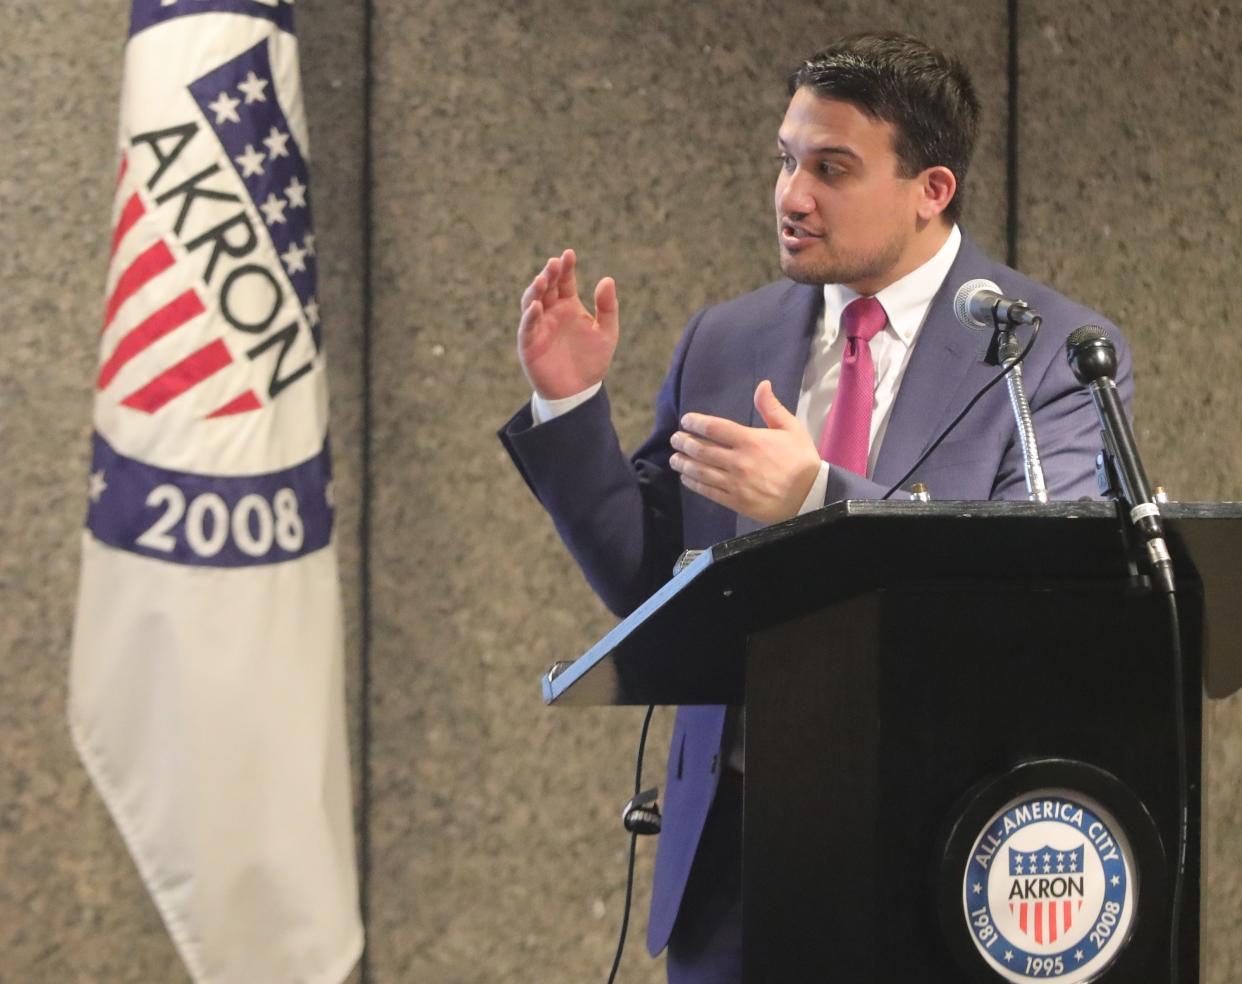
626 519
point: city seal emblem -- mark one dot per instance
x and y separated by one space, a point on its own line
1050 888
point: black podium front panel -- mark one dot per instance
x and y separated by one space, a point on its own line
868 725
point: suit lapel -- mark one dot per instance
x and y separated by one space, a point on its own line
782 348
780 353
943 356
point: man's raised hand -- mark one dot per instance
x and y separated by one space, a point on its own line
765 473
563 348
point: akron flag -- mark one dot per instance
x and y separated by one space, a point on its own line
206 687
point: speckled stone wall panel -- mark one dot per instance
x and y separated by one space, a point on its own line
331 40
641 134
1131 119
72 908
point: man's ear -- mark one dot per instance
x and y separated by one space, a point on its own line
937 186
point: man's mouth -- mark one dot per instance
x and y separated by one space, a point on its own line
795 236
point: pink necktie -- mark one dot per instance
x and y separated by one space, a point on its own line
847 431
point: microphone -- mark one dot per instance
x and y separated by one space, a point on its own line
1093 359
980 304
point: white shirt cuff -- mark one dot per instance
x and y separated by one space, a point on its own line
819 491
542 410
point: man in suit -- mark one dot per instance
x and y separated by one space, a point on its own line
859 345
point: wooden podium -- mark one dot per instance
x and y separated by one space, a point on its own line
910 672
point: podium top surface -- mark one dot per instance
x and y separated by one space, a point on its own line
701 617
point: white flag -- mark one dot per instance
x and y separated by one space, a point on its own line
206 687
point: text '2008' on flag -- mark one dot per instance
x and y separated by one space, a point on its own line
206 685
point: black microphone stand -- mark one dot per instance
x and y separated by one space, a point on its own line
1093 359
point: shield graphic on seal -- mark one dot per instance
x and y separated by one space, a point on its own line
1046 891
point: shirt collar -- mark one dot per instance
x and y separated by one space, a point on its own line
905 301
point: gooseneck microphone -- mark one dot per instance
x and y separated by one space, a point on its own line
980 304
966 307
1093 359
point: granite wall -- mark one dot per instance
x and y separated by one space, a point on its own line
640 133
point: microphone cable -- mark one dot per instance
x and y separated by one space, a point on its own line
640 816
1182 752
1035 325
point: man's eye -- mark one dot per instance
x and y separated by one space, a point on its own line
786 162
829 169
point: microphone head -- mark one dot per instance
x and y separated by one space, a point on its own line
1091 354
961 303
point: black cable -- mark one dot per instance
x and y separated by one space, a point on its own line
629 878
969 406
625 918
1183 790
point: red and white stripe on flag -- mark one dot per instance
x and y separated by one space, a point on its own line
206 682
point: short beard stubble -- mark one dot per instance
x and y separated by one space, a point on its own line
839 267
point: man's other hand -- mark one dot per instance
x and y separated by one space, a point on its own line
563 348
764 473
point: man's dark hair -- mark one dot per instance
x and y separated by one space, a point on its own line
925 94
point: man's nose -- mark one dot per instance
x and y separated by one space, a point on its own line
793 195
